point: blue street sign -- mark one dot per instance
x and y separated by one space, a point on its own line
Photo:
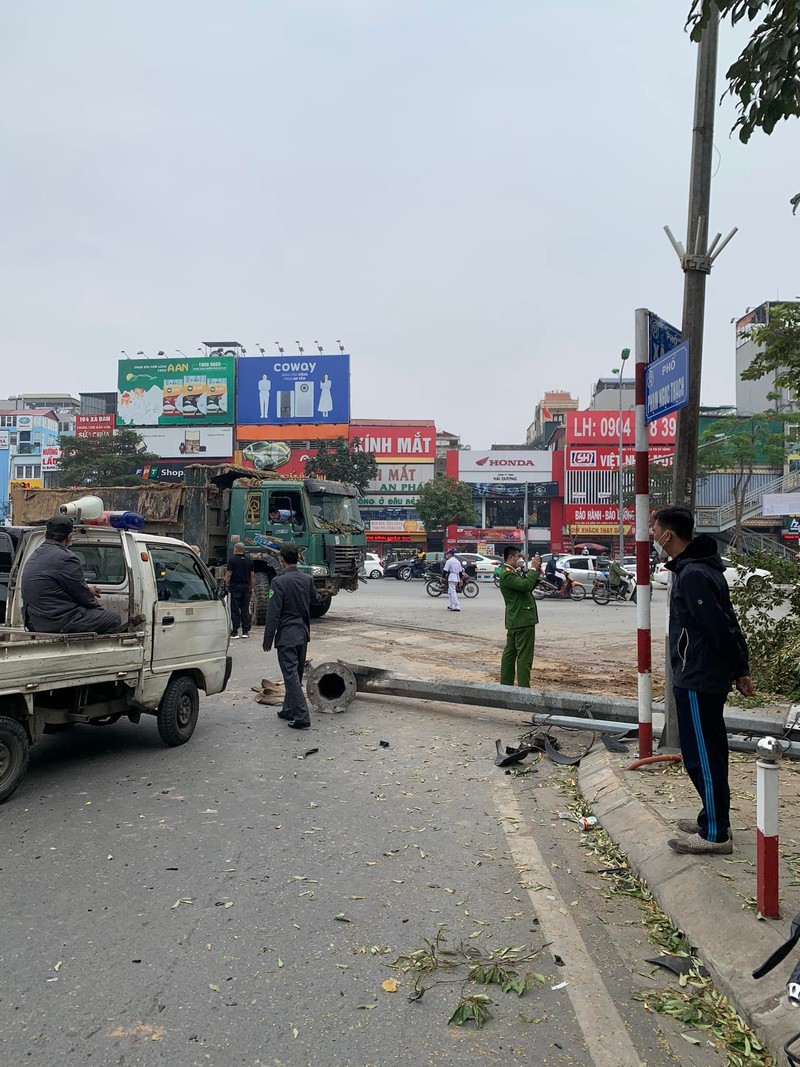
661 337
667 383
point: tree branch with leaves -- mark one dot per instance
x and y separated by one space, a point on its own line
765 78
343 461
445 501
104 460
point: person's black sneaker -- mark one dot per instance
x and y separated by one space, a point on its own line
295 724
286 715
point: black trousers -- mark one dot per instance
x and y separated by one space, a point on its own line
292 662
704 747
240 608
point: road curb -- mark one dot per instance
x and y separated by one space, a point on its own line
729 939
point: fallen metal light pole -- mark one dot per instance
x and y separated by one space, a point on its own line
332 687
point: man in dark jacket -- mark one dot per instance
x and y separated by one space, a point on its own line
708 654
239 577
55 596
289 626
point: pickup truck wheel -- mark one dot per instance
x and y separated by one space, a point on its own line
260 599
177 712
318 610
14 753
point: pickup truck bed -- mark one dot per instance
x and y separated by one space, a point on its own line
31 663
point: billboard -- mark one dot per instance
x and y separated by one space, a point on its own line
4 438
291 433
394 526
404 441
283 391
168 392
273 455
505 465
94 425
406 478
602 427
174 442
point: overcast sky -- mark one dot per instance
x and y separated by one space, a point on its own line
469 194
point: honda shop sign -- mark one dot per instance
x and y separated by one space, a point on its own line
500 465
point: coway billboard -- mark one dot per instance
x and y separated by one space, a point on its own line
287 391
201 442
501 465
168 392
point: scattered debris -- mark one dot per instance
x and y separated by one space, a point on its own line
269 692
679 964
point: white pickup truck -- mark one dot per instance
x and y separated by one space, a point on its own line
51 681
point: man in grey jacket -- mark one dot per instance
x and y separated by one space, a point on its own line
55 596
289 626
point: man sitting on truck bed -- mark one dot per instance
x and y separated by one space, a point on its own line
55 596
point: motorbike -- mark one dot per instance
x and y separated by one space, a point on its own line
406 569
602 592
438 585
569 590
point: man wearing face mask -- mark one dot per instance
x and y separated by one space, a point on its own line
709 656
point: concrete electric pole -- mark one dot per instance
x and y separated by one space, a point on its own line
696 261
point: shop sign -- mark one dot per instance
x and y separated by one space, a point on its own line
603 427
597 519
476 533
51 457
4 439
505 465
395 526
413 441
402 478
597 458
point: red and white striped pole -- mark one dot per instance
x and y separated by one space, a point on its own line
769 752
642 487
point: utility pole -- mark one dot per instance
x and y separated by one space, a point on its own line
696 261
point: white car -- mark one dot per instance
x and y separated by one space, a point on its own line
372 566
735 574
485 564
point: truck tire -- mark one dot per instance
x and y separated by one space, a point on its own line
14 753
260 598
178 710
318 610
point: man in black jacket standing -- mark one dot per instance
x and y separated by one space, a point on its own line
709 656
239 578
289 626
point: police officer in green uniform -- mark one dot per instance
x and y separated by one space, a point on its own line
521 617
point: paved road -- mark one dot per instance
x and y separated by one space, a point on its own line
242 900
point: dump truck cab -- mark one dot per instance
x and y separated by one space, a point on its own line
320 517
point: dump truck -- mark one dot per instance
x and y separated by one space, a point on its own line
219 506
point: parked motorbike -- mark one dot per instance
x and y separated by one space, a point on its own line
602 592
406 569
438 585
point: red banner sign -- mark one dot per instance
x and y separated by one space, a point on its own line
602 428
411 441
94 425
585 519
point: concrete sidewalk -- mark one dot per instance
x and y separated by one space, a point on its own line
710 898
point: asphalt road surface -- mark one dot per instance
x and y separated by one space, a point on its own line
245 899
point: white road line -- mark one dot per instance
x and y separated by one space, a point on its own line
606 1034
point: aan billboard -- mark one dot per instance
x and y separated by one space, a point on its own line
166 392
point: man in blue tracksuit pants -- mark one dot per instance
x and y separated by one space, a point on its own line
708 654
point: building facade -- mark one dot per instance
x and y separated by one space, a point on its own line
28 450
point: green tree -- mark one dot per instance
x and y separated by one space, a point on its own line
343 461
104 460
444 501
780 347
765 77
738 446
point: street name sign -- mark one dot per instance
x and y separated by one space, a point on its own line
667 383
